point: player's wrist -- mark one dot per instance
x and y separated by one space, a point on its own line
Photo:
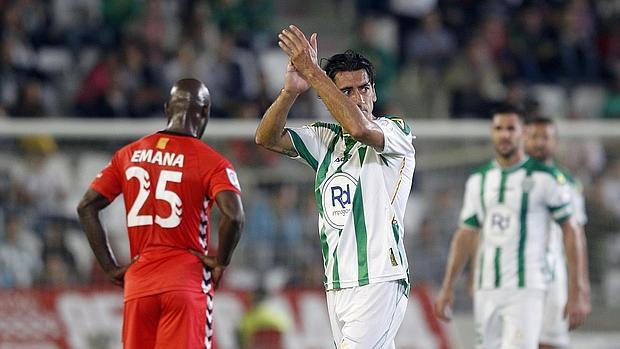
289 93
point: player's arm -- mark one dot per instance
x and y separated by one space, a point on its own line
229 233
578 305
303 55
88 211
463 246
270 133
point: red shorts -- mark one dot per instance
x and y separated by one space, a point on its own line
175 319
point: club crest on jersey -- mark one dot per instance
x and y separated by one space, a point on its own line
337 196
528 184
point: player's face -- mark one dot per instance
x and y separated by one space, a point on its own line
356 85
506 134
540 141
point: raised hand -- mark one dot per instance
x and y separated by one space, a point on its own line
301 52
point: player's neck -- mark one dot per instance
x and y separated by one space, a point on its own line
510 161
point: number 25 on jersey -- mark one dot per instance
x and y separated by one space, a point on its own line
161 193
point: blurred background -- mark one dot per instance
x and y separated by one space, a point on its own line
79 79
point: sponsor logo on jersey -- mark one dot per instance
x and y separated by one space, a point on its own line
500 225
337 196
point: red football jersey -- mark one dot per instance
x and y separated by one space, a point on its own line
169 183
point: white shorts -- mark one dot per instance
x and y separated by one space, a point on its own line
508 319
555 326
365 317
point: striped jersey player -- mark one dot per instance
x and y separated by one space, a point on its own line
361 195
364 169
508 207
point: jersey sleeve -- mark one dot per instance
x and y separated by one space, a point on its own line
109 181
471 213
558 198
397 136
223 177
579 206
310 141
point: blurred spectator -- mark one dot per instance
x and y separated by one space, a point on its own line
101 94
610 185
611 107
428 51
59 263
20 249
40 181
473 81
225 78
29 101
139 80
385 62
578 52
428 253
263 325
534 44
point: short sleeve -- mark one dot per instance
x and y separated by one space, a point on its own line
558 198
307 143
109 181
397 136
223 177
579 206
471 213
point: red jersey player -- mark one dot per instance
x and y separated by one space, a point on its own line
169 181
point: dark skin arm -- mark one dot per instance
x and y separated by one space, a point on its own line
88 210
229 233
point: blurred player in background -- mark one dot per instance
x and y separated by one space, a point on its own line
507 206
541 143
169 181
364 170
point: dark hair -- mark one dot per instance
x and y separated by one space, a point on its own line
540 120
508 109
348 61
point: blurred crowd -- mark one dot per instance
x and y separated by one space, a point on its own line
435 59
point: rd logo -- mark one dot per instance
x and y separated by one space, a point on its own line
337 196
501 225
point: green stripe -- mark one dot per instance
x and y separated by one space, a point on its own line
523 235
472 221
324 251
502 186
397 239
482 181
321 174
481 269
335 274
498 274
302 150
361 237
557 208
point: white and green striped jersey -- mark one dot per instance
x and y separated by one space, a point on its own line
555 249
361 194
513 208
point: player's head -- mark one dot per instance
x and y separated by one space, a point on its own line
540 138
189 107
354 75
507 128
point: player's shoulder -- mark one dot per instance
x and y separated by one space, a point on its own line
550 171
398 120
483 169
333 127
570 177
